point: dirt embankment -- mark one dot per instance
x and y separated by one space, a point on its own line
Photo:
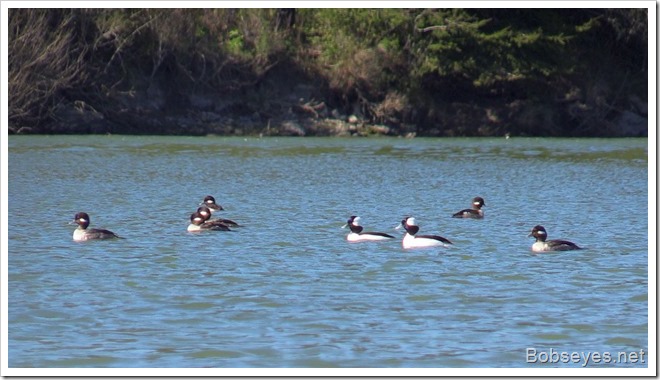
287 103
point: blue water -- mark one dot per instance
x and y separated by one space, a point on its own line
287 290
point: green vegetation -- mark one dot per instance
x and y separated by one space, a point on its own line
443 72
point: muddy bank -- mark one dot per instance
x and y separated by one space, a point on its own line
288 102
294 108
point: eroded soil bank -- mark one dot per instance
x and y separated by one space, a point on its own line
288 103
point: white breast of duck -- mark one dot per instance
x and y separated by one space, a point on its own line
412 240
357 234
543 245
198 223
83 233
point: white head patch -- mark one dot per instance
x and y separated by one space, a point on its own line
540 232
82 220
411 221
356 221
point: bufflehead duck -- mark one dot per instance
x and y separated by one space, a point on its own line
82 233
411 240
475 212
357 235
543 245
206 213
198 223
209 202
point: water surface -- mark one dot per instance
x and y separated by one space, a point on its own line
287 290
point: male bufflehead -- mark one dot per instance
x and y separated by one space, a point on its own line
475 212
209 202
82 233
356 234
206 213
411 240
543 245
198 223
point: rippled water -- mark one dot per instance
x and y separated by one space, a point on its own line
287 290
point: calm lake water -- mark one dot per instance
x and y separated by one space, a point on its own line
287 290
